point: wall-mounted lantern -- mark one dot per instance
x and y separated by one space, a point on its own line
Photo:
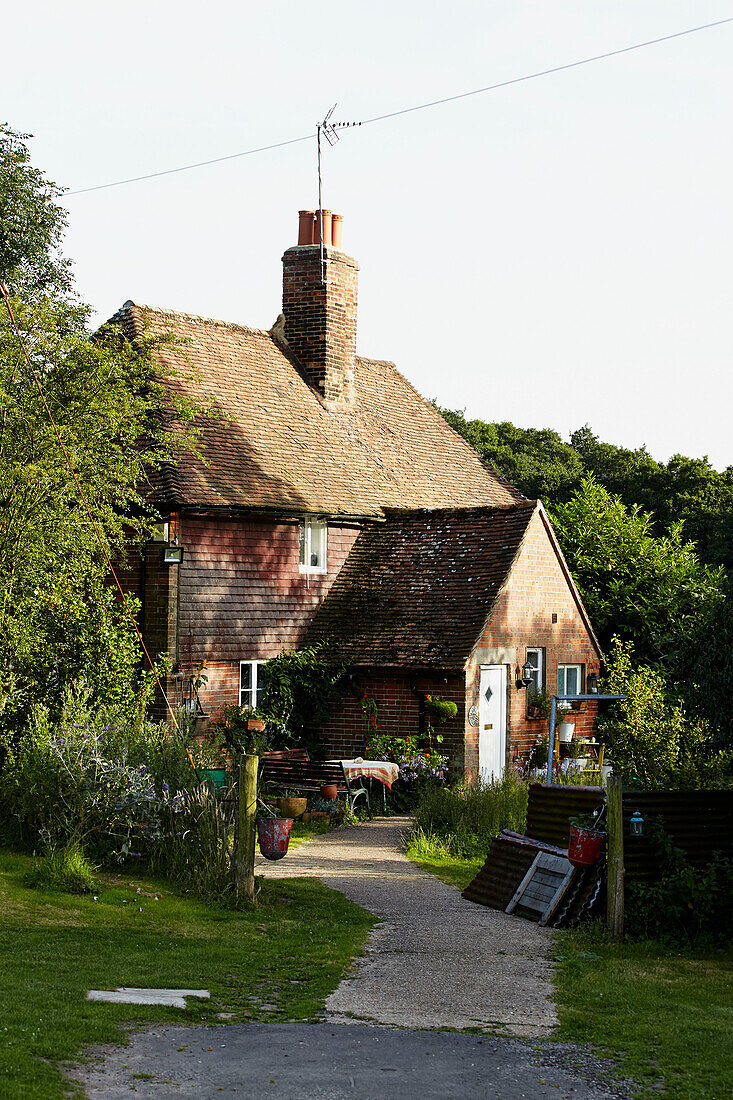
524 678
592 683
636 824
173 554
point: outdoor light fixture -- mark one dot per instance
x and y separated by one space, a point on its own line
636 824
592 683
525 679
173 554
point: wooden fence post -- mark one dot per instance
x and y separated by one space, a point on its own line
615 858
244 863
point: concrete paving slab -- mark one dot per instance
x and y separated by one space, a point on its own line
435 960
130 995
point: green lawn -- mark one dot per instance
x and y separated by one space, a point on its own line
666 1017
277 962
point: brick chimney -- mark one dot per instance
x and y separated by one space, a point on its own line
320 316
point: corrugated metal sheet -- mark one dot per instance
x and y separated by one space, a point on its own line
699 822
550 807
510 857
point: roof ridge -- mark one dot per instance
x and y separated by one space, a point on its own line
179 315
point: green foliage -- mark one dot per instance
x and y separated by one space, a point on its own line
94 779
541 465
65 869
440 710
466 819
652 742
684 905
538 704
59 618
32 224
196 847
300 690
703 668
231 731
649 591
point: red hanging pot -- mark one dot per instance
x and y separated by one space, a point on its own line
585 846
273 834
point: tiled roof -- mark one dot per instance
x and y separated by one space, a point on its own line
277 446
417 590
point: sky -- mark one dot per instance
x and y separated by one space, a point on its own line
554 253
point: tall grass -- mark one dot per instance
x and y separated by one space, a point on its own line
65 869
464 820
198 849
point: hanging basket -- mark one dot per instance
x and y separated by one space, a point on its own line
566 731
585 846
273 834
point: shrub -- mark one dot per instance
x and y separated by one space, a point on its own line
196 845
466 819
685 905
65 869
103 786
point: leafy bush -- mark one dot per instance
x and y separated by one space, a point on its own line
300 689
65 869
465 819
652 742
102 786
685 905
195 847
440 710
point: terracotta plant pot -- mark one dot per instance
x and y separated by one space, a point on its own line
292 807
329 791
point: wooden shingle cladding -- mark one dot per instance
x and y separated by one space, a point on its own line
271 442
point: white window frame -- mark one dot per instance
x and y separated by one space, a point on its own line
563 690
307 525
536 658
255 681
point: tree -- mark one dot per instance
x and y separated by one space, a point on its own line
647 590
32 224
59 617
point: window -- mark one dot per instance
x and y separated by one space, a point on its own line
569 679
536 658
312 536
251 683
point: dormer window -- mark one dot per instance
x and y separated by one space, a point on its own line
313 545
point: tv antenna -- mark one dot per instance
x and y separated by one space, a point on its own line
328 130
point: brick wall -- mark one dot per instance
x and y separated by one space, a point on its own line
320 320
399 711
535 594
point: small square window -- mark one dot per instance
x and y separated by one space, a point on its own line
569 679
251 683
312 538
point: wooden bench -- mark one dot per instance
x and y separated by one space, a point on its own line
284 771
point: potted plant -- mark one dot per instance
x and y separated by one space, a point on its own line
292 805
538 704
586 839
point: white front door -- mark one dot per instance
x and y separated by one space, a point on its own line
492 722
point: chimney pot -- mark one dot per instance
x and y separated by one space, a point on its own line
306 226
326 228
336 227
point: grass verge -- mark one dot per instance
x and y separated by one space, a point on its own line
276 962
663 1015
433 855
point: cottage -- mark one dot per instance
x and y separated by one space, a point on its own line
331 502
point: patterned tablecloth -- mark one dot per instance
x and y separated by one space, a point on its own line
383 770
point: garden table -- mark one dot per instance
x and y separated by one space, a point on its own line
382 770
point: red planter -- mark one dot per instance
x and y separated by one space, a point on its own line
585 846
329 791
273 834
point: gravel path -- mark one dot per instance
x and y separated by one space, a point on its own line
434 960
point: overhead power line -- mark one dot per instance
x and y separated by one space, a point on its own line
416 107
